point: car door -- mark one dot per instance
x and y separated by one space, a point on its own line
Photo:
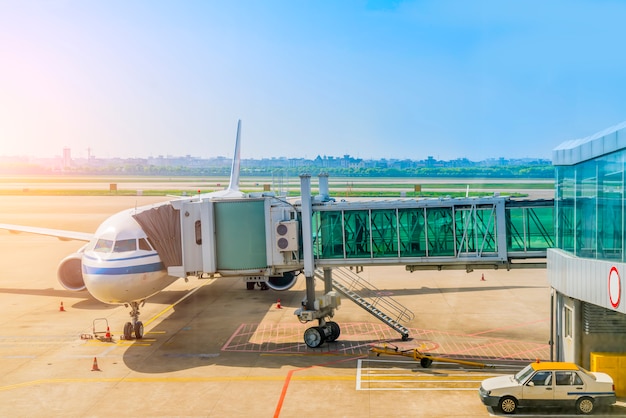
568 385
538 388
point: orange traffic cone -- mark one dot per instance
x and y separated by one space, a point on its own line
108 334
482 278
94 367
278 305
61 308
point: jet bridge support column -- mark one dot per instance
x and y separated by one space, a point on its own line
312 307
328 280
307 244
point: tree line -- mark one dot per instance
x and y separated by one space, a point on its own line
511 171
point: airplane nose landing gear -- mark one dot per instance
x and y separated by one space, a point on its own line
136 326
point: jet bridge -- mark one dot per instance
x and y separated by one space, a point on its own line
461 233
263 238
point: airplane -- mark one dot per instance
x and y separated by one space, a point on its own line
120 264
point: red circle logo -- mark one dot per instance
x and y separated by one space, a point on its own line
615 287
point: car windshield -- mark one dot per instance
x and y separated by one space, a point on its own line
523 374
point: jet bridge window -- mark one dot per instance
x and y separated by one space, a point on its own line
198 228
124 245
103 246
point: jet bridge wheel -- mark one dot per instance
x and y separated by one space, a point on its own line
314 337
334 331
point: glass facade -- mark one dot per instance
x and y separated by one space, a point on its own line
423 229
589 206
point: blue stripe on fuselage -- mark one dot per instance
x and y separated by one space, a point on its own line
120 259
141 268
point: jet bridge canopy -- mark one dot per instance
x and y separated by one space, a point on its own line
162 226
432 233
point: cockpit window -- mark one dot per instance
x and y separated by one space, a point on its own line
103 246
125 245
143 245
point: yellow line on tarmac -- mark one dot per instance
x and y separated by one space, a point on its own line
149 321
147 341
172 380
423 378
170 307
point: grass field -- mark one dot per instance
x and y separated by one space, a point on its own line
66 185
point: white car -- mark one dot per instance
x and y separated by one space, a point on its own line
549 384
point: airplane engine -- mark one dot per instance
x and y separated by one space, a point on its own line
284 282
70 272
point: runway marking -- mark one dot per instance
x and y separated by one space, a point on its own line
511 327
170 307
290 377
98 343
144 342
396 376
357 339
216 379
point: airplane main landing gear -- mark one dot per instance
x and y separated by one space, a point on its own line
136 326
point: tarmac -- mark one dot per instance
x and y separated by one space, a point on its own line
214 349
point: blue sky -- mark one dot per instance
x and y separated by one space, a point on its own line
373 79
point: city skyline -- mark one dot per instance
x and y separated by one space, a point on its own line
373 79
68 156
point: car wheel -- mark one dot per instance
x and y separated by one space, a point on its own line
584 405
508 405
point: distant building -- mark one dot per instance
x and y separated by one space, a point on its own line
67 158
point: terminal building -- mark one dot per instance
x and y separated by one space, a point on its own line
585 269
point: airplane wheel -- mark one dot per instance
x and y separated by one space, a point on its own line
313 337
250 285
128 331
139 330
334 331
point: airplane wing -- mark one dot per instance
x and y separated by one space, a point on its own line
58 233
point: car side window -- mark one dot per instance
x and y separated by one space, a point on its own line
542 378
568 379
577 379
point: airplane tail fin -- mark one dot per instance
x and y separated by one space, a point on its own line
232 191
234 171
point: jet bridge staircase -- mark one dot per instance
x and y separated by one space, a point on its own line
356 288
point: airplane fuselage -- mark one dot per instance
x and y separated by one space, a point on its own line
119 265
